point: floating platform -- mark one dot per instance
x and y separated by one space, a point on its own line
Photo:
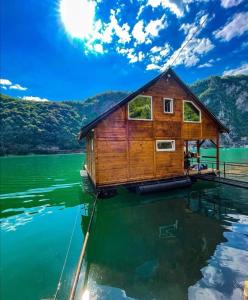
164 185
144 187
228 181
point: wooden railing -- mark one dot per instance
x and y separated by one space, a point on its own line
232 170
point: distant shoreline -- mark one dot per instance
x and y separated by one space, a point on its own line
82 150
45 152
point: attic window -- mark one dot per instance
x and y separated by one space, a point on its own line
191 113
168 106
165 145
140 108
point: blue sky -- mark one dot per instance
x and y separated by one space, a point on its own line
73 49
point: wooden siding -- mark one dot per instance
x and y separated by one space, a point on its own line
195 131
125 150
90 156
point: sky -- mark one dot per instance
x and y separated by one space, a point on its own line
74 49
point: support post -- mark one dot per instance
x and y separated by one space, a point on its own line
246 290
198 154
187 146
218 152
198 151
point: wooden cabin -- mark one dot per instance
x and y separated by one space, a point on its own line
144 136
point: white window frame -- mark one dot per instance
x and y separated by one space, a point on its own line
187 121
133 119
172 105
166 150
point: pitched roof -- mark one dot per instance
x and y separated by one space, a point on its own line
85 129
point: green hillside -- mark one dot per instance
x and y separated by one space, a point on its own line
47 127
51 127
227 98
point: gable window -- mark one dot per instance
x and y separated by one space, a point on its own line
191 113
168 106
165 145
140 108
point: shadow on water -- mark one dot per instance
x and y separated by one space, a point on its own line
179 245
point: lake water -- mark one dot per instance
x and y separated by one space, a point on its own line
185 244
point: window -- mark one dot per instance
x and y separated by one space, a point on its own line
140 108
165 145
168 106
191 113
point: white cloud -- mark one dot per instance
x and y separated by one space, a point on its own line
236 27
122 32
237 71
141 55
32 98
131 55
191 53
128 39
192 48
158 55
154 3
196 49
98 48
206 65
145 34
165 50
176 7
230 3
122 51
155 49
201 21
209 63
106 36
155 26
138 32
152 67
5 82
18 87
141 9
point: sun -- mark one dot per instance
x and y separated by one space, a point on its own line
78 17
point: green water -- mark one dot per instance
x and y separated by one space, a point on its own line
185 244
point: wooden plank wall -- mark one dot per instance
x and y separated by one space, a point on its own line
125 150
90 156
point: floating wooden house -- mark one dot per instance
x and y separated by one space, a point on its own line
143 138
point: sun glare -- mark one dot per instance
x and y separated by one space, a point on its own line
78 17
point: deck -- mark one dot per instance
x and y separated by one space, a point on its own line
209 171
230 173
219 179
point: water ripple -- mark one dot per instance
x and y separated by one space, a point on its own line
30 192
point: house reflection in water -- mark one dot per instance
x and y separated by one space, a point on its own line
152 247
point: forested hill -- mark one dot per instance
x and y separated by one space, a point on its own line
50 127
47 127
227 98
